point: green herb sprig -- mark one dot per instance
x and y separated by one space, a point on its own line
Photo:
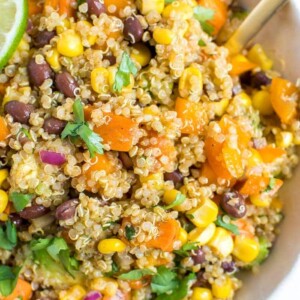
8 279
8 236
80 128
203 14
20 200
231 227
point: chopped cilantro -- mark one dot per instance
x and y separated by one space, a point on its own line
114 270
181 291
203 14
8 236
20 200
231 227
26 132
126 68
54 250
164 281
201 43
185 249
271 185
190 216
180 198
136 274
79 128
129 232
8 279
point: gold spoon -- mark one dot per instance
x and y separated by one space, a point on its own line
253 24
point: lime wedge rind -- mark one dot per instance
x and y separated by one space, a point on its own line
13 38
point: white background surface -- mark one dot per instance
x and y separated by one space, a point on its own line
279 277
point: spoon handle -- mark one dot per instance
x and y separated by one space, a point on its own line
253 24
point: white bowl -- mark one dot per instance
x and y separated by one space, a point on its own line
279 276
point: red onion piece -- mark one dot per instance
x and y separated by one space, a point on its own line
52 158
93 295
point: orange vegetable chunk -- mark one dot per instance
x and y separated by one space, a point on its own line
22 291
4 131
254 185
284 99
270 154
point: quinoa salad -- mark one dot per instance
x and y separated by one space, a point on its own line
139 159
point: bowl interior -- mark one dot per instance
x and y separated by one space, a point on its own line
278 276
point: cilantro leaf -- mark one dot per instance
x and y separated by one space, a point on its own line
164 281
39 244
201 43
272 184
231 227
114 270
203 14
136 274
20 200
180 198
129 232
80 128
57 245
185 249
181 291
70 263
26 132
92 140
8 279
8 236
126 68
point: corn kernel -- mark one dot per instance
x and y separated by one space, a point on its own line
147 6
223 290
261 200
204 214
154 180
99 80
105 285
65 25
191 82
277 204
259 56
3 217
91 39
254 159
200 293
284 139
222 242
220 107
262 102
243 99
202 236
3 175
178 9
183 236
76 292
3 200
141 54
109 246
23 45
245 249
163 36
69 44
170 196
52 58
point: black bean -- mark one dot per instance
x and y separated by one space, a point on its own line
198 256
228 266
38 73
133 30
234 204
66 84
111 58
200 280
66 210
126 160
19 111
18 221
34 211
43 38
245 78
96 7
175 176
54 126
260 79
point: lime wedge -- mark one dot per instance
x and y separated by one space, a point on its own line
13 22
